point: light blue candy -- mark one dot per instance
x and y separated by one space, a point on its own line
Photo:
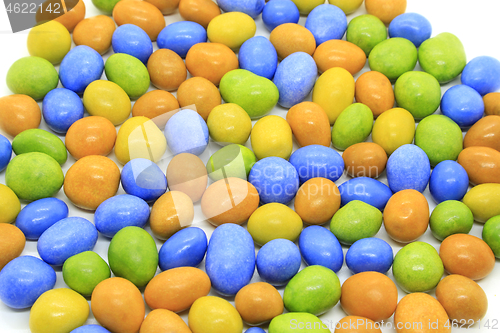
278 12
411 26
326 22
369 254
463 105
449 181
90 329
408 168
278 261
317 161
319 246
483 74
144 179
181 36
61 108
186 247
250 7
368 190
255 330
132 40
80 67
5 152
259 56
186 132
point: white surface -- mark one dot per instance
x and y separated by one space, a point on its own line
474 22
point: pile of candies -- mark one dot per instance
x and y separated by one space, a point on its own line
247 194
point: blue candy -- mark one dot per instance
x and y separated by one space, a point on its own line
250 7
278 261
483 74
255 330
295 78
463 105
365 189
186 247
132 40
80 67
449 181
5 152
39 215
277 12
121 211
61 108
144 179
411 26
90 329
66 238
230 261
186 132
317 161
275 179
319 246
23 280
326 22
369 254
259 56
181 36
408 168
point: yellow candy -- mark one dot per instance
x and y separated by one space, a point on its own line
229 123
50 41
334 91
58 311
210 314
305 6
108 100
393 128
273 221
139 137
272 136
231 29
10 206
484 201
347 6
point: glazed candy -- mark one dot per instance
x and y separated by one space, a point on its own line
134 81
318 246
492 104
421 308
166 70
280 12
305 6
317 161
258 56
351 324
105 5
317 200
369 254
309 124
375 91
11 207
393 129
40 73
144 179
231 29
84 271
408 168
186 247
157 105
80 67
419 93
61 108
339 53
258 303
132 40
183 125
92 135
201 93
107 99
165 6
365 189
170 213
449 181
386 10
326 22
212 314
161 319
19 113
12 243
451 217
181 36
271 136
228 123
347 6
393 57
289 38
95 32
50 41
141 13
352 126
484 133
5 152
231 161
366 31
37 140
187 173
484 201
90 329
490 234
199 11
277 262
481 164
71 18
364 159
250 7
290 322
411 26
463 105
481 73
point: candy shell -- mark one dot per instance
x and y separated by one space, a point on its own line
165 6
317 200
186 132
141 13
393 129
199 11
375 91
80 67
490 235
280 12
424 313
277 262
481 73
419 93
228 123
290 38
369 254
463 105
5 152
353 125
481 164
84 271
449 181
107 99
366 31
201 93
181 36
170 213
73 16
50 41
449 218
258 303
144 179
132 40
252 8
186 247
61 108
365 189
393 57
231 29
484 201
365 159
326 22
105 6
385 10
318 246
305 6
484 133
293 321
19 113
492 104
95 32
355 324
272 136
408 168
411 26
134 81
38 216
211 61
258 56
339 53
161 320
38 140
347 6
157 105
187 173
231 161
317 161
90 329
92 135
12 242
212 314
166 69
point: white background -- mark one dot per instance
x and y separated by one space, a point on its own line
476 23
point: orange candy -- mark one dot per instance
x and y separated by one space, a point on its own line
211 61
375 91
385 10
163 321
12 242
73 17
19 113
158 105
355 324
140 13
165 6
199 11
492 103
201 93
95 32
91 180
310 124
92 135
417 311
170 213
364 159
289 38
187 173
317 200
481 163
258 303
166 69
484 133
339 53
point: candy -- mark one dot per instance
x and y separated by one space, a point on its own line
118 305
417 267
231 29
186 247
58 311
393 57
201 93
339 53
271 137
163 320
141 13
369 254
33 176
317 200
258 56
315 290
186 132
421 309
317 161
442 56
364 159
305 6
166 69
326 22
50 41
187 173
38 216
250 7
258 303
105 5
95 32
134 81
177 289
61 108
369 294
366 31
165 6
18 113
481 164
318 246
132 40
406 216
170 213
449 218
484 201
353 125
309 124
5 152
72 17
352 324
408 168
90 329
229 124
84 271
347 6
181 36
485 133
449 181
12 242
41 75
411 26
491 235
80 67
230 261
144 179
255 330
393 129
212 314
492 104
354 221
481 74
199 11
463 105
92 135
107 99
280 12
386 10
297 321
365 189
37 140
375 91
419 93
23 280
275 179
91 180
272 221
289 38
157 105
277 262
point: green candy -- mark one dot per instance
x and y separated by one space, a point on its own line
231 161
257 95
440 138
366 31
393 57
34 176
315 290
353 125
449 218
419 93
297 322
32 76
105 5
417 267
442 56
84 271
129 73
38 140
355 221
132 255
491 234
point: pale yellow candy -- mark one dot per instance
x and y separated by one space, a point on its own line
229 123
210 314
50 41
393 128
231 29
305 6
272 136
107 99
347 6
139 137
484 201
334 91
58 311
10 206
